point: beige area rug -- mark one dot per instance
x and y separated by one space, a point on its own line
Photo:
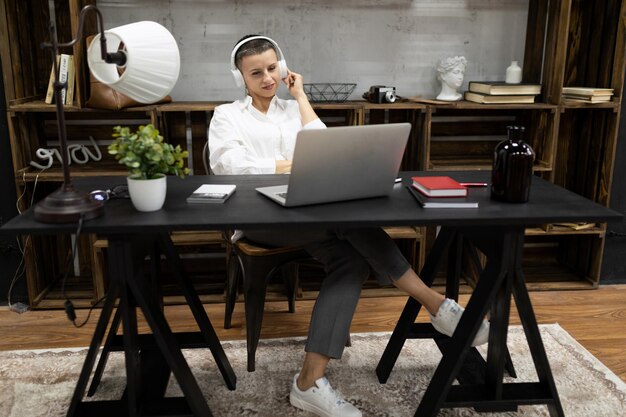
40 383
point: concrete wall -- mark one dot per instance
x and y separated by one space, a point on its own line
391 42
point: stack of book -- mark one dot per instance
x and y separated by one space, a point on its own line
499 92
587 94
441 192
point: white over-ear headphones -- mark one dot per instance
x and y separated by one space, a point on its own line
237 74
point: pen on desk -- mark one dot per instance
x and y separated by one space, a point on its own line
474 184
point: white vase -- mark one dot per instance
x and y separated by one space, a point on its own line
147 195
513 74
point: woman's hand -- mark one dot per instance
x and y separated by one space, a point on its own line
295 84
283 167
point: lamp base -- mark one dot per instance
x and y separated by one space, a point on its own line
66 205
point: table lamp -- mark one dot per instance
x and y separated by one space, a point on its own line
149 56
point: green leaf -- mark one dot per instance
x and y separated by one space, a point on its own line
146 154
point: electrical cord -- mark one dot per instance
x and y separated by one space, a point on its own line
70 311
69 306
78 326
613 233
21 269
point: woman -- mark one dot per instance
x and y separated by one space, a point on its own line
257 135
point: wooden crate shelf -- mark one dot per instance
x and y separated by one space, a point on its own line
568 43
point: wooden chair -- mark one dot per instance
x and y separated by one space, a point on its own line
253 265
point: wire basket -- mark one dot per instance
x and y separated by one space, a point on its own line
329 92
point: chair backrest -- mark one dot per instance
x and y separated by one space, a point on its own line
205 159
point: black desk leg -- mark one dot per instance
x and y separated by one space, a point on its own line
453 269
473 259
454 355
104 355
94 346
208 332
131 352
498 353
535 344
412 307
501 278
171 352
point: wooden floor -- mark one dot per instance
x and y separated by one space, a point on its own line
596 318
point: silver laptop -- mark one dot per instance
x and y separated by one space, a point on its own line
342 163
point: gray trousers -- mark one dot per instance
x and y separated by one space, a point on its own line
347 257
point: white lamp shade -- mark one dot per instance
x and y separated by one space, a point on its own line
152 61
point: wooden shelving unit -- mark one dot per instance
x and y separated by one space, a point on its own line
568 43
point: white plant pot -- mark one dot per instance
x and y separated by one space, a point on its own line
147 195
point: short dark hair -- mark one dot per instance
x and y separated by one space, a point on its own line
254 47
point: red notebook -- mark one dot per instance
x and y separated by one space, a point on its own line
439 187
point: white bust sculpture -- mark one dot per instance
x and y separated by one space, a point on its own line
450 72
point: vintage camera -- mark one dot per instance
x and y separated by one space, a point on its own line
380 94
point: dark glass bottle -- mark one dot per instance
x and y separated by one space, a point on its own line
512 168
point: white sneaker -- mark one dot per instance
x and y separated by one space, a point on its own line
322 400
448 317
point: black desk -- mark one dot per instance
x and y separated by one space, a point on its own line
497 229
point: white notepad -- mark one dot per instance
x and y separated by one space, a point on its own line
212 193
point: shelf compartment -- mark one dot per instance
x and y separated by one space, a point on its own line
594 47
413 113
555 259
34 130
464 138
562 261
586 152
187 126
561 230
49 256
204 254
27 67
340 114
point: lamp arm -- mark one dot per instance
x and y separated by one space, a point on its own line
118 58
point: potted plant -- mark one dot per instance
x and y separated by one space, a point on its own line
149 159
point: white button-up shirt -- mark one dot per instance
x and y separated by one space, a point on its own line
242 140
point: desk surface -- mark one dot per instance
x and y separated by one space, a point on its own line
248 209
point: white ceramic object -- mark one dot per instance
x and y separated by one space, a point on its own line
147 195
513 74
450 72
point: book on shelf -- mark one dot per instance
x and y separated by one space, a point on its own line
64 61
496 88
212 193
63 68
587 99
71 81
441 202
588 91
498 99
50 91
439 186
574 226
